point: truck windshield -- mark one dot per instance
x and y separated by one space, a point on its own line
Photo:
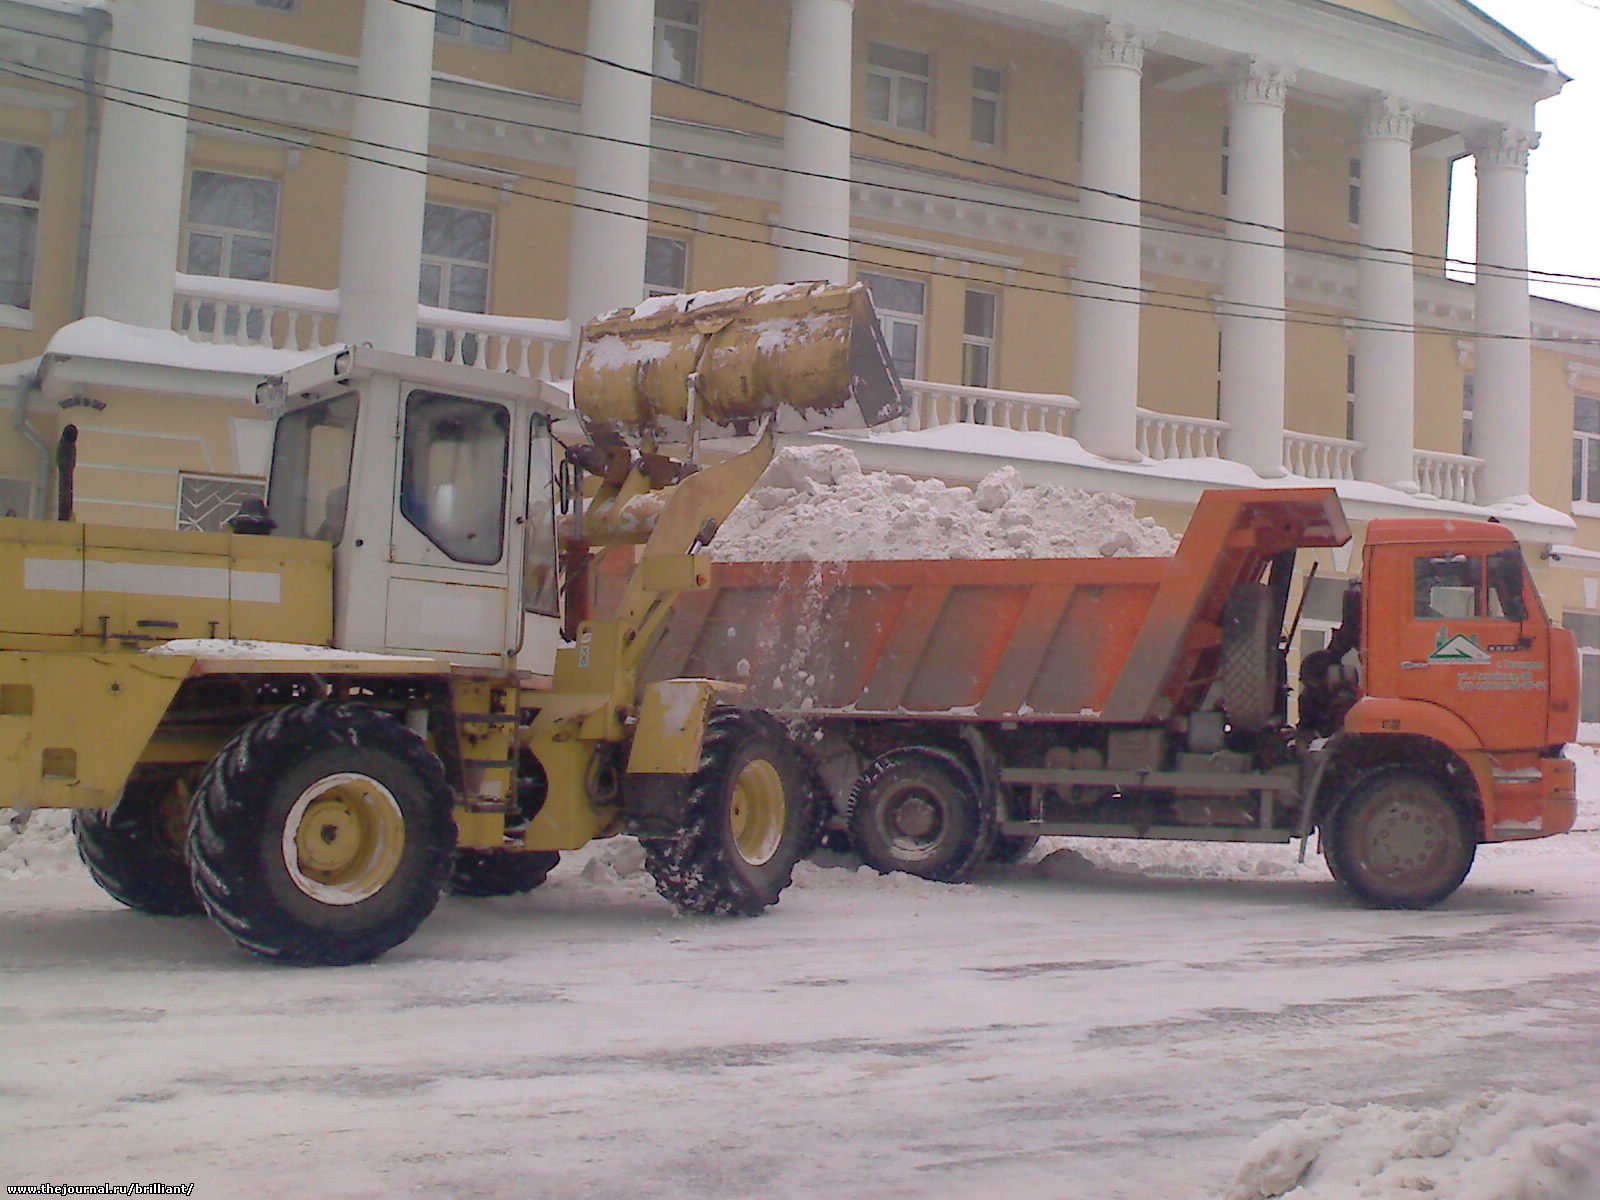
311 451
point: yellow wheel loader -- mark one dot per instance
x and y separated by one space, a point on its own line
310 726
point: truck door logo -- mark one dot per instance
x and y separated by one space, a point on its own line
1460 648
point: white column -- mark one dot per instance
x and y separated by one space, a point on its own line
1385 299
613 183
1503 396
380 252
1105 356
139 171
817 202
1252 307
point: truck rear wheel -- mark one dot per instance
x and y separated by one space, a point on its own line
750 817
1399 840
920 811
500 872
135 850
322 833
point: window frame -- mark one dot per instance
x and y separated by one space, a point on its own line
228 233
285 6
467 23
996 98
246 485
659 289
448 262
1353 194
890 319
658 41
897 78
987 342
1469 393
33 206
1585 452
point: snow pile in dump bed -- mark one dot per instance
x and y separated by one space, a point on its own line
816 504
35 843
1511 1147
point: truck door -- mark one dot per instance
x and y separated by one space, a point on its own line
451 553
1471 639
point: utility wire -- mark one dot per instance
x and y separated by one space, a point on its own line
1483 270
1277 315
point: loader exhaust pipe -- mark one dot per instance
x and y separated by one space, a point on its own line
66 471
675 368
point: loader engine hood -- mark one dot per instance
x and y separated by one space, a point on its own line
809 354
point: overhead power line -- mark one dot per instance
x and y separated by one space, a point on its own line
1342 249
1197 306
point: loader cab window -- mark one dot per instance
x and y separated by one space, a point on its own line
1471 586
311 453
453 474
541 589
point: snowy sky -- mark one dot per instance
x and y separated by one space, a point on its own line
1564 172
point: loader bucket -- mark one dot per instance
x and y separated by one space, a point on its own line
811 354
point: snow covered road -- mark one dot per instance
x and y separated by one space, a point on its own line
1117 1020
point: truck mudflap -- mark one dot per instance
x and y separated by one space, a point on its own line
1533 797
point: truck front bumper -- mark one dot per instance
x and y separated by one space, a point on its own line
1533 801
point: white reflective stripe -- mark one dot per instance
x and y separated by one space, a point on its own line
151 579
52 574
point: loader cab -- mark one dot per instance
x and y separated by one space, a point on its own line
433 484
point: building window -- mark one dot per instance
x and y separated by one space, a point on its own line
1586 449
898 86
1349 397
277 5
16 498
456 247
233 221
1585 629
1078 137
1469 387
21 172
1354 197
677 53
475 22
988 96
666 266
1227 139
902 308
977 339
206 503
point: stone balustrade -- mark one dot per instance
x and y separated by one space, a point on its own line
933 404
1314 457
1447 476
1163 436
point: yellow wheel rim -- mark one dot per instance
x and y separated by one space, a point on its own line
343 839
758 812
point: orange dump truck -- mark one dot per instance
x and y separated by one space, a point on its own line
956 710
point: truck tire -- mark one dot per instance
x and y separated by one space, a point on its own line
500 872
1249 652
919 810
135 851
750 816
1400 839
322 833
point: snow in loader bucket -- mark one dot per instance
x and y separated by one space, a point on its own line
809 354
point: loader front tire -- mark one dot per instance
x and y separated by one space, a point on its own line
750 817
1400 839
322 833
500 872
135 850
919 810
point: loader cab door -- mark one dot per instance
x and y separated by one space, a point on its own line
541 584
454 551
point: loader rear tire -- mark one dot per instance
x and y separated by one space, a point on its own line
1400 839
1249 648
1011 848
920 811
500 872
135 850
750 817
322 833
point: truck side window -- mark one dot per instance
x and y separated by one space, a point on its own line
453 474
541 588
1506 599
311 451
1449 586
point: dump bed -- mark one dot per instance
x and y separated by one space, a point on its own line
1118 640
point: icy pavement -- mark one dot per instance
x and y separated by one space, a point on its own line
1111 1021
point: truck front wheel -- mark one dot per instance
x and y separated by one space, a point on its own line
322 833
135 850
920 811
1399 840
750 817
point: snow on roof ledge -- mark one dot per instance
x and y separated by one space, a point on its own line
108 353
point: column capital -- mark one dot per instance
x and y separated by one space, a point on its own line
1116 44
1388 118
1504 147
1260 82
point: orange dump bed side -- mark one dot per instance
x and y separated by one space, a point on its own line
1127 640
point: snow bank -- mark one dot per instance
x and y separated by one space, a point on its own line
35 843
1510 1147
816 504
